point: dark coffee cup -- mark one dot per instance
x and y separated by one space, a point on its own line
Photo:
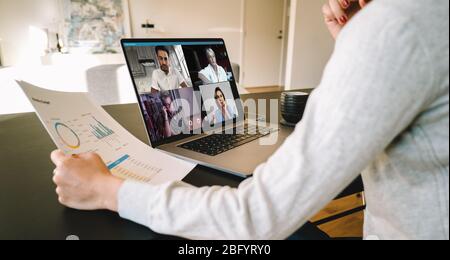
293 105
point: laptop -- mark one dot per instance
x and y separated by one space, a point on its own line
191 106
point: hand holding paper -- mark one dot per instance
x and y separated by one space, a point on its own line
84 182
96 153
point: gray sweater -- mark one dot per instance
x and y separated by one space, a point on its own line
382 109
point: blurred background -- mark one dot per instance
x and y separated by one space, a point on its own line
73 45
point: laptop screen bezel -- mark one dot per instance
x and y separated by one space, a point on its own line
180 41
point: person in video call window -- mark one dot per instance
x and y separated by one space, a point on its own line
166 78
214 73
169 113
223 112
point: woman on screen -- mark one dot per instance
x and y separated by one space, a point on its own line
223 112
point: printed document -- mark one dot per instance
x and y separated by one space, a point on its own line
77 125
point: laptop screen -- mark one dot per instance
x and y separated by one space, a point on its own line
182 86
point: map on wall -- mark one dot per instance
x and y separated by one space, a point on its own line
96 25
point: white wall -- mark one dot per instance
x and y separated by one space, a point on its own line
196 18
310 45
16 16
192 18
263 48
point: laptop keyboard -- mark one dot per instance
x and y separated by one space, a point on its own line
216 144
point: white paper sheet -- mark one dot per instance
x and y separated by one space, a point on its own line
77 125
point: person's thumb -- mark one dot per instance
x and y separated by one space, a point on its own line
58 157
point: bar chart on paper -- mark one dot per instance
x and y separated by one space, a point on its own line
99 130
128 167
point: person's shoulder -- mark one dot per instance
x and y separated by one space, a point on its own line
179 76
208 68
381 25
373 19
395 27
392 34
206 71
156 72
395 15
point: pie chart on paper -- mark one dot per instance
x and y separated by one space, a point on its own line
67 136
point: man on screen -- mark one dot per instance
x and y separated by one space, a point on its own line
170 114
166 78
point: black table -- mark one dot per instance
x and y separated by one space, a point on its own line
28 203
